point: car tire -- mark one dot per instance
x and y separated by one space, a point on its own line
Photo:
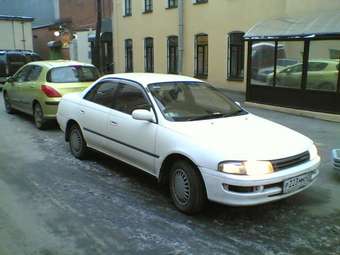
38 116
8 106
77 143
187 187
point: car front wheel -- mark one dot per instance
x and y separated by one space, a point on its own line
77 142
187 188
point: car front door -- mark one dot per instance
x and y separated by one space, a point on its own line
132 140
93 113
16 85
28 90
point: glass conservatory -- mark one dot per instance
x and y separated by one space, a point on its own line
294 62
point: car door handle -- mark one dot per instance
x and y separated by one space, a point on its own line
82 111
113 123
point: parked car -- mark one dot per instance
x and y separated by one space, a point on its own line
336 159
190 136
12 60
37 87
322 75
281 64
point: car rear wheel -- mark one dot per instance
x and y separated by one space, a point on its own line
8 105
77 142
187 188
38 115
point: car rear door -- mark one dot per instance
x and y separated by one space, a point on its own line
94 111
132 140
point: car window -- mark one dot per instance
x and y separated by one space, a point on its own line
15 62
316 66
69 74
130 98
22 74
34 73
103 93
3 70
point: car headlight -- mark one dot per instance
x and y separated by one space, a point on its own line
251 168
313 152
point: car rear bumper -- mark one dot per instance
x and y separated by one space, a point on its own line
51 108
238 190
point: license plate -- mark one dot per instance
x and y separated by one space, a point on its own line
296 183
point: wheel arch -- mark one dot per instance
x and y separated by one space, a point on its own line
69 124
164 172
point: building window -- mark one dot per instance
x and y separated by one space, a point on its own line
173 54
147 5
236 56
127 8
148 55
201 56
200 1
128 56
172 4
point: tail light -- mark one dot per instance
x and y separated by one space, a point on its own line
49 91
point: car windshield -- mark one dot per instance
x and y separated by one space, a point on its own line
189 101
69 74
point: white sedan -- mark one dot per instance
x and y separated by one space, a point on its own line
191 137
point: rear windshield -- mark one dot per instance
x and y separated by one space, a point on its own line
69 74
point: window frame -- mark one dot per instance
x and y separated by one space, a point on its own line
200 1
239 61
148 6
149 59
127 8
128 55
169 38
205 48
172 4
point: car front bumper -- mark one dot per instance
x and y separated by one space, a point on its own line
248 190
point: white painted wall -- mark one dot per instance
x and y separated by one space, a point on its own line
80 47
16 35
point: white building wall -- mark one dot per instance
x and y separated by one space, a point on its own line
81 47
16 35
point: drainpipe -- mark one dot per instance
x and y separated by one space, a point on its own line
180 35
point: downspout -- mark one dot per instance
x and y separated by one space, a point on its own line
180 35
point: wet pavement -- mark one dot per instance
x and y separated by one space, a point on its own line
51 203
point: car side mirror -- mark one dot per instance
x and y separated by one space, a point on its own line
10 79
141 114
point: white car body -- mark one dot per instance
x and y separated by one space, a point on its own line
206 143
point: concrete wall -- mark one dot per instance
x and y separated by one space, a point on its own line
216 18
16 35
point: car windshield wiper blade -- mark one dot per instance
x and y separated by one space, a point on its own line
217 115
208 116
238 112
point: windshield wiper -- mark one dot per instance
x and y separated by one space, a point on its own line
217 115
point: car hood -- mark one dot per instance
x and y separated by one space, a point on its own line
244 137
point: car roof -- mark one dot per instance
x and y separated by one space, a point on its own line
149 78
58 63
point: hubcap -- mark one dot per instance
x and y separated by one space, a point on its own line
38 116
75 141
181 186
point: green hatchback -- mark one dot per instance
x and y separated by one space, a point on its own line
37 87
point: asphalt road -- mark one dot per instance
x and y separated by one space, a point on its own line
51 203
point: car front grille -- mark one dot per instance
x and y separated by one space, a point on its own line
281 164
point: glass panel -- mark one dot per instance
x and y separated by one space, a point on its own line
288 64
262 59
71 74
323 65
